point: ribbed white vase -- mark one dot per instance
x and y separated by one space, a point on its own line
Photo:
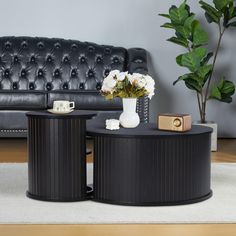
129 118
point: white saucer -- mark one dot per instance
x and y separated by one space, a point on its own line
59 112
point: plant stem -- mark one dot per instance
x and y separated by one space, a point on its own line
199 105
221 33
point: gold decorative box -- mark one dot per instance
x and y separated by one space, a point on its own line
174 122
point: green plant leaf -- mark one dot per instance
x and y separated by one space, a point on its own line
204 71
188 22
191 81
220 4
184 32
168 25
193 85
179 41
215 93
223 91
179 14
207 58
231 10
200 36
212 14
165 15
183 77
232 24
192 60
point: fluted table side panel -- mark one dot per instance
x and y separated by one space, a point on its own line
57 164
152 171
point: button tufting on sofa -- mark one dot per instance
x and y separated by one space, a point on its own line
31 86
73 73
57 45
66 59
40 45
49 58
7 45
81 85
15 85
16 59
32 59
24 44
90 73
23 73
56 73
49 86
40 73
7 73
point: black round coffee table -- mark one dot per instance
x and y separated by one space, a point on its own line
56 155
146 166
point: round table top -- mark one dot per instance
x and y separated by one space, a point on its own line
143 130
74 114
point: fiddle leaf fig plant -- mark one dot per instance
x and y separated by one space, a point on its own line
189 33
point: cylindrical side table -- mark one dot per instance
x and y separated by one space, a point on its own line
146 166
56 155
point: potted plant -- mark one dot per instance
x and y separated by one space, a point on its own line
201 64
129 87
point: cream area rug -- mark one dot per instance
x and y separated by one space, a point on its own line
16 208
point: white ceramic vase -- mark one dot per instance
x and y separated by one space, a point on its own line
213 134
129 118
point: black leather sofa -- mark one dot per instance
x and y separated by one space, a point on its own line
36 71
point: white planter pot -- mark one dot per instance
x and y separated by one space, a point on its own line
129 118
213 134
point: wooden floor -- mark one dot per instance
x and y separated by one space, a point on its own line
15 150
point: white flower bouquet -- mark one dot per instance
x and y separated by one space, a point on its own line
125 85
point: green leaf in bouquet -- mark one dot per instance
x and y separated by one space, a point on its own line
109 96
200 36
192 60
180 41
221 4
179 14
212 14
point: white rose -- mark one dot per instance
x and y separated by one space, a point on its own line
106 89
121 76
150 90
114 72
150 81
141 82
130 78
111 83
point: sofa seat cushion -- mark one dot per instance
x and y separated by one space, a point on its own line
85 100
23 100
13 120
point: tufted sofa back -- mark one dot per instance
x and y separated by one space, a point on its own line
36 71
44 64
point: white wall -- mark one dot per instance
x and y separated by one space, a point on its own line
127 23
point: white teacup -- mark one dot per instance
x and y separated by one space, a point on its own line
63 106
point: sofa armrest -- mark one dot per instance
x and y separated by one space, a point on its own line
137 63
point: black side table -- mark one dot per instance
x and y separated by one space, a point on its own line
146 166
56 155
